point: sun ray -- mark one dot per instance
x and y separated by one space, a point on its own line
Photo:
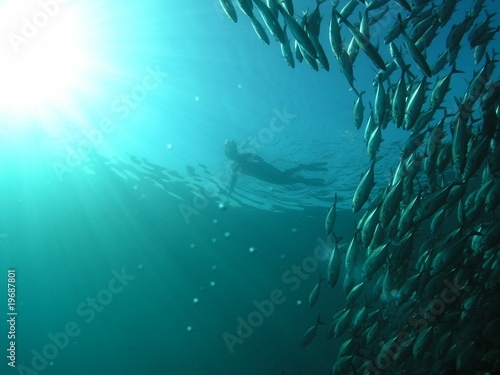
42 62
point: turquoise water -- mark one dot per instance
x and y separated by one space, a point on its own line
130 258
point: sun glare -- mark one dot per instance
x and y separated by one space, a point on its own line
42 59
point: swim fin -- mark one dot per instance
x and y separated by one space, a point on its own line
314 167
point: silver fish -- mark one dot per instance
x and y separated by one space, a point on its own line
271 21
364 43
358 111
364 188
334 34
331 216
313 296
333 270
228 7
415 53
310 333
259 29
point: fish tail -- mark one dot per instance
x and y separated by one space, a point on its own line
319 322
489 15
321 278
340 16
455 70
406 68
400 22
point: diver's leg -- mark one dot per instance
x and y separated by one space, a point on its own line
291 171
307 181
306 167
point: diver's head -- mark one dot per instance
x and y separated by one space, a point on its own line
230 149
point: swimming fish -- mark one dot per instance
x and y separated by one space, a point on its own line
310 333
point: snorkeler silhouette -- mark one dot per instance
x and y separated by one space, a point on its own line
253 165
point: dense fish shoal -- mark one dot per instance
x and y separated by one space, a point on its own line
421 272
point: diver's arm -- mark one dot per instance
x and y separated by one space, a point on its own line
234 178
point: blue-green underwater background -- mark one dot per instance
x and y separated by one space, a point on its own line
141 190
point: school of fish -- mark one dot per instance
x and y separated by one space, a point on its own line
421 273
